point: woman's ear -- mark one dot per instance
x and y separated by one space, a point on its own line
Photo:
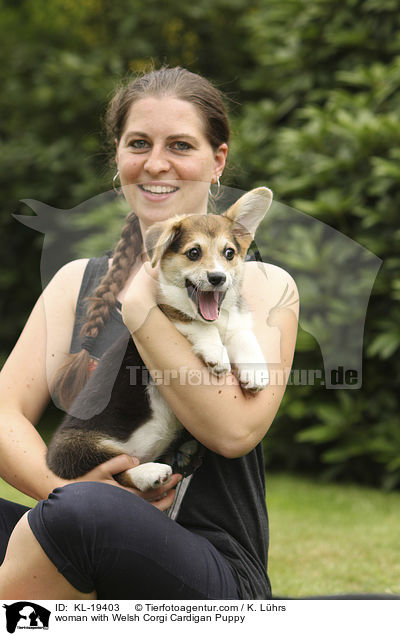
220 156
116 152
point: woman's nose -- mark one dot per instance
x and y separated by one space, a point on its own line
157 161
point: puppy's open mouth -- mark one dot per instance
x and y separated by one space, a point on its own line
208 302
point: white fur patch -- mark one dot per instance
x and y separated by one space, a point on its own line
149 475
153 437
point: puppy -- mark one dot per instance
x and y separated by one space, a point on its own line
200 275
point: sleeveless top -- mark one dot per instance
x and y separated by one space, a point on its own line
221 499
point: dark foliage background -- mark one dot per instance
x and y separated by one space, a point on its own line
314 99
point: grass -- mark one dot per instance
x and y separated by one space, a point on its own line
10 493
325 539
328 539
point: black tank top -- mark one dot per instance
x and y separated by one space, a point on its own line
94 272
221 499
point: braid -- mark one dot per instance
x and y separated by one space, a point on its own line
73 375
104 296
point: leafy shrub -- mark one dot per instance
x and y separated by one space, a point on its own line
321 127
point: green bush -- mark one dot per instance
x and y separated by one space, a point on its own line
321 127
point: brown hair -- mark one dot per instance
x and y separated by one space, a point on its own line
177 82
209 103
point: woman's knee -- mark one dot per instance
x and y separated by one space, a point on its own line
86 516
75 524
27 572
80 510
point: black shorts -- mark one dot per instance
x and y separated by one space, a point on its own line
10 514
104 538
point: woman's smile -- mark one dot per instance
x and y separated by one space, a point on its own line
157 188
157 191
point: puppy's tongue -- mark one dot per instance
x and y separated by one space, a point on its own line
208 304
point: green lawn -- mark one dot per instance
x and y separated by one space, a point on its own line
324 538
8 492
332 539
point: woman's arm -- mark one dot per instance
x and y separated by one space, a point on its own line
217 412
24 388
24 393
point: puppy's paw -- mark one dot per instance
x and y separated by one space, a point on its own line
217 361
253 377
149 475
219 368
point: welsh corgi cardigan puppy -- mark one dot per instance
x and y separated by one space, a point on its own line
200 275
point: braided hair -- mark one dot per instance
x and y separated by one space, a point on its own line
209 103
73 375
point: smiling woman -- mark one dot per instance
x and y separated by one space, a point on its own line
163 173
204 533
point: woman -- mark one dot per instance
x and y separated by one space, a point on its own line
92 538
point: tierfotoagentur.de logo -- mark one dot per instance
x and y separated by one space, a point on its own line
26 615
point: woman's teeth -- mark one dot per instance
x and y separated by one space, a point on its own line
158 189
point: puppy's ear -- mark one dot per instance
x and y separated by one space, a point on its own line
248 212
160 236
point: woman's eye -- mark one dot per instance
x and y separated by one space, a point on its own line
229 253
193 254
181 145
138 144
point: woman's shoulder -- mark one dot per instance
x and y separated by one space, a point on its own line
71 272
66 282
266 279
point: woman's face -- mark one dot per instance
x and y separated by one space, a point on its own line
165 161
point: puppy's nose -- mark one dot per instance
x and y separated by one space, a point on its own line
216 278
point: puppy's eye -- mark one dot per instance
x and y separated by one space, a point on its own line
229 253
194 253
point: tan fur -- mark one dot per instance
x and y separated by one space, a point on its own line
174 314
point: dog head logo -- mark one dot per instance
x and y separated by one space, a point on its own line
26 615
333 273
204 253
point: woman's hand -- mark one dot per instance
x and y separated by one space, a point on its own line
162 497
140 296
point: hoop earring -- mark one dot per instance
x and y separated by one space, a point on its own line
218 189
114 180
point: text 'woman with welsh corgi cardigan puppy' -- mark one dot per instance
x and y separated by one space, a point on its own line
217 336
